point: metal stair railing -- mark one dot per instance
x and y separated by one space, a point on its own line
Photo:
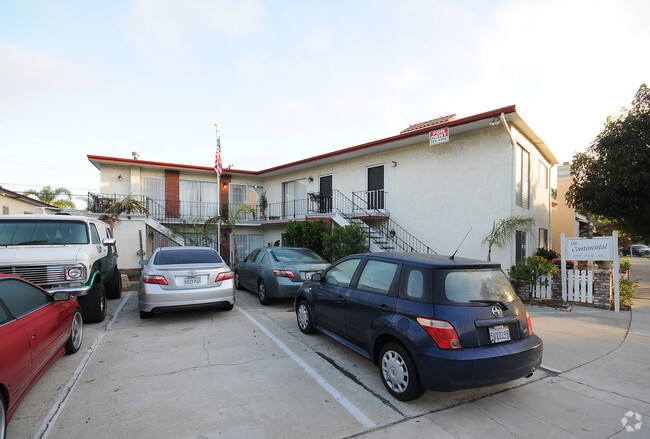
384 232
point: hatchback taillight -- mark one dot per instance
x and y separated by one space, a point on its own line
155 279
224 275
530 325
443 333
284 273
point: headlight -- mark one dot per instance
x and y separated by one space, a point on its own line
75 273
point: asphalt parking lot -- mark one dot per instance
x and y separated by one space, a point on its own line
248 372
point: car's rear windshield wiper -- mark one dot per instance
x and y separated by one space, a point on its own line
491 302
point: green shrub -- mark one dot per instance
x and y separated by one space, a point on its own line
627 290
625 265
308 234
530 269
345 241
547 253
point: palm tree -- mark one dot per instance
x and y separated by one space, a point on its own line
230 220
127 205
49 196
503 230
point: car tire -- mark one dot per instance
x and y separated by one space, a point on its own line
93 304
398 373
76 334
114 286
261 293
3 417
303 316
228 307
146 314
237 281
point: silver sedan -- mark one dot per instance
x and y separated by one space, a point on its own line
181 278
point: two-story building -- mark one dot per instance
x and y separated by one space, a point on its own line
421 190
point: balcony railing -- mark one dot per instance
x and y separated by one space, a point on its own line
368 208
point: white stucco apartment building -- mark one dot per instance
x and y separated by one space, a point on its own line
413 194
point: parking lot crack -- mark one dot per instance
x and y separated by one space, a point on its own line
357 381
205 340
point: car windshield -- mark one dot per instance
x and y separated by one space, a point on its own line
467 286
187 256
296 255
20 232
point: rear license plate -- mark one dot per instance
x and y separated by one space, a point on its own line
499 333
308 274
192 281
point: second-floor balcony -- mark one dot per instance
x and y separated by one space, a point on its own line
179 211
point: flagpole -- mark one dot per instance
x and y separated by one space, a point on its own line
218 194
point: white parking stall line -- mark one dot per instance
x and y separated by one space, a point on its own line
351 408
59 404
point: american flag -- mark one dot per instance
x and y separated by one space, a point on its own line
218 165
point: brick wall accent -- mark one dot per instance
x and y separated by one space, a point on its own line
603 289
172 194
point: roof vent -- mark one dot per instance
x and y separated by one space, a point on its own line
135 155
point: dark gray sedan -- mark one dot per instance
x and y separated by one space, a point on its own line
277 272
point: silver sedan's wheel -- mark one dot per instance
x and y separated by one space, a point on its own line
76 334
398 373
304 318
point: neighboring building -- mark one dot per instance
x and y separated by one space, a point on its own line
413 195
15 203
566 219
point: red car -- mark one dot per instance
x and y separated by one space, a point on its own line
36 329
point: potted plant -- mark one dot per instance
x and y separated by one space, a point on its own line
264 203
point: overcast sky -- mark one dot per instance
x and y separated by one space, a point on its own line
287 80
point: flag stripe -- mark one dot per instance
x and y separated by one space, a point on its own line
218 166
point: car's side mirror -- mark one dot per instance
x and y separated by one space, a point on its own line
108 241
316 277
61 296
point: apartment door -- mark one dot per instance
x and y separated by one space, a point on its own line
375 195
325 194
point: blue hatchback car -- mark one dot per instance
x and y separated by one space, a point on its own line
428 321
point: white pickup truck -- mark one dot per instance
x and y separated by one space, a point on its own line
68 253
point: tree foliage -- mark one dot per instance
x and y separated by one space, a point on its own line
612 178
503 231
58 197
127 205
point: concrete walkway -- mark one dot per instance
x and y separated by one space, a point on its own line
601 388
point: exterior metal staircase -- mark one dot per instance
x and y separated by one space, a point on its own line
384 234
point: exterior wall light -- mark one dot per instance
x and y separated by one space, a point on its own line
393 163
120 178
310 179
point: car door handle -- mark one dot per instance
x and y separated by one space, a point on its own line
340 299
385 308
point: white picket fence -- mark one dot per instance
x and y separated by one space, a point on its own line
543 288
580 286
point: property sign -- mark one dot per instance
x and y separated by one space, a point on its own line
438 136
594 249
